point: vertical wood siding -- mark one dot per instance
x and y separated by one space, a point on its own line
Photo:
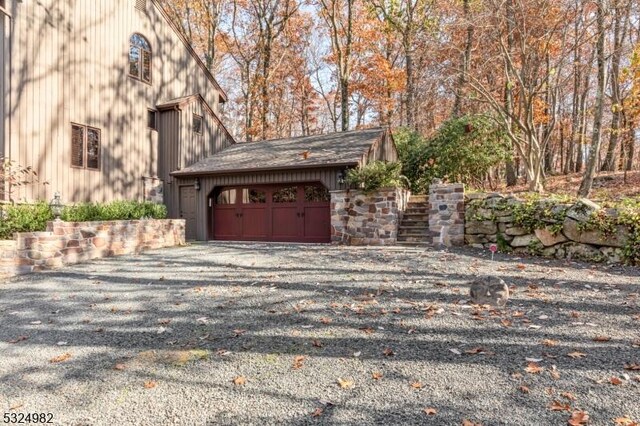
70 64
328 177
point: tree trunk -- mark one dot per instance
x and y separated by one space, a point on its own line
466 62
596 139
511 171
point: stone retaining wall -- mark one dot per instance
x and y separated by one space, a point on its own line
71 242
367 219
490 219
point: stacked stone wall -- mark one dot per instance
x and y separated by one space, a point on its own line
490 220
71 242
446 214
358 218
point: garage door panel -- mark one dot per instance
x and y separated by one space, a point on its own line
226 224
254 223
317 222
284 222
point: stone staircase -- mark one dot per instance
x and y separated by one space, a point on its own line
414 228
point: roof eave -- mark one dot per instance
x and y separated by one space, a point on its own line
182 173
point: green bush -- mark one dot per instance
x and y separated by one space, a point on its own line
377 175
23 218
115 210
462 150
34 217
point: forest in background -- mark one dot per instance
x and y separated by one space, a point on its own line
559 80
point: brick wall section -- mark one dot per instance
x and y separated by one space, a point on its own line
367 219
71 242
446 214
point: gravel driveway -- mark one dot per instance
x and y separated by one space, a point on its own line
293 334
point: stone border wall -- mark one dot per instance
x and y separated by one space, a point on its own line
66 243
489 219
446 214
367 219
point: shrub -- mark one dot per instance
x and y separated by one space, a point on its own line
462 150
23 218
377 175
115 210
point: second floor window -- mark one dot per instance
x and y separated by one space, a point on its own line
140 58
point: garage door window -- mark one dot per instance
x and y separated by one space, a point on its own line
253 196
285 195
315 194
228 196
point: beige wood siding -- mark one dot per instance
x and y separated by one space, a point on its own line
328 177
4 63
70 64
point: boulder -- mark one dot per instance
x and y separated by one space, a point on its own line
583 252
475 239
612 254
481 227
489 290
548 239
617 239
524 240
582 210
516 230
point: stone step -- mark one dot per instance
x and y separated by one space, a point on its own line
413 228
413 243
417 206
424 210
418 199
412 239
416 217
414 224
412 232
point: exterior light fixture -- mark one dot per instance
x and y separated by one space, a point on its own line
56 205
196 184
340 177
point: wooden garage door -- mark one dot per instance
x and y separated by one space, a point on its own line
293 213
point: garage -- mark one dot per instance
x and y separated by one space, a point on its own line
287 213
274 190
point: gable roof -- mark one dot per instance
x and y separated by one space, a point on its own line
335 149
185 100
190 49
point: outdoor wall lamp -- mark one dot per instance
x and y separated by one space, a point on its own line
340 177
56 205
196 184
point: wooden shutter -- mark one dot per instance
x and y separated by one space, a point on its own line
77 145
93 148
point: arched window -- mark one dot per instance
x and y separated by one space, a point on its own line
140 58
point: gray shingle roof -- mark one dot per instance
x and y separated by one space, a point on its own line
335 149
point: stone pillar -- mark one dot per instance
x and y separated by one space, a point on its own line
446 213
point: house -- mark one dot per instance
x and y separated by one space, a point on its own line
107 100
104 98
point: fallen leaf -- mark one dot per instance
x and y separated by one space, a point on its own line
16 406
297 362
318 412
568 395
550 342
325 320
367 330
559 406
625 421
601 339
533 368
466 422
18 339
474 351
240 380
119 367
60 358
430 411
416 385
521 267
345 384
388 352
576 355
524 389
632 366
239 332
578 418
615 381
317 343
150 384
376 375
506 323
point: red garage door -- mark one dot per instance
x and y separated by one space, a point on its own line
294 213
